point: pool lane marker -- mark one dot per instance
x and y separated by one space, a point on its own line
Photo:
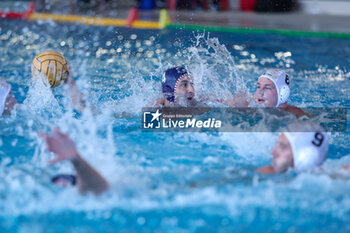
81 19
164 19
164 22
338 35
133 16
132 21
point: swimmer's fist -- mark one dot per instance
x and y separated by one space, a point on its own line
61 145
160 101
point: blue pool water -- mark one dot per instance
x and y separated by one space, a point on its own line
165 182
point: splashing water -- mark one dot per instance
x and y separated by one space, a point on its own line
164 181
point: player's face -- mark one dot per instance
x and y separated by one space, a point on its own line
282 155
184 94
9 103
266 93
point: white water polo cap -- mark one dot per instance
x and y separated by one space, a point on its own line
5 89
309 144
281 81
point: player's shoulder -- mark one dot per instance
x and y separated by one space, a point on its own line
298 112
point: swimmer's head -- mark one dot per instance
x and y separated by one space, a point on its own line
7 101
304 147
272 88
177 86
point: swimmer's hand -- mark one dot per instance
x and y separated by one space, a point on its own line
162 102
347 167
240 100
61 145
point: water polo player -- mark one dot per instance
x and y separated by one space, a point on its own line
7 100
87 178
303 147
273 91
177 88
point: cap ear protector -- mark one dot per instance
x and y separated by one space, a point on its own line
281 81
283 95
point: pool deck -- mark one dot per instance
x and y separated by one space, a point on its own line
298 21
295 21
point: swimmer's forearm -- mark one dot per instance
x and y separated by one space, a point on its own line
88 179
76 96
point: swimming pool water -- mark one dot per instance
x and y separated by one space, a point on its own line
165 182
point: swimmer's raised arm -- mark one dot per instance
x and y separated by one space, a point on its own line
76 96
88 179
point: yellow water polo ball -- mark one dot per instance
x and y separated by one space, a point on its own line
52 65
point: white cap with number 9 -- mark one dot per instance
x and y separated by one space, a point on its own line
309 144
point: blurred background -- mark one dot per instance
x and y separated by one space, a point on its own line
338 7
176 182
306 15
